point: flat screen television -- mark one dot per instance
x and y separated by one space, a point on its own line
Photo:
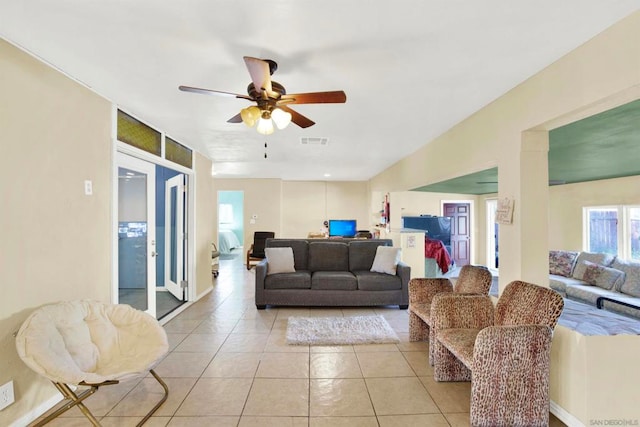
342 227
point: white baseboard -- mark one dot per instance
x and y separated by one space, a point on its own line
37 412
564 416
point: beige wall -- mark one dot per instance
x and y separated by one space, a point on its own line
566 203
262 197
205 223
292 209
596 76
601 74
56 242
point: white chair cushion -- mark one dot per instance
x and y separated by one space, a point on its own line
76 341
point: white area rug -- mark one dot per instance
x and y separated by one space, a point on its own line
339 330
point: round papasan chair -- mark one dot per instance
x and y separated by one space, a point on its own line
92 344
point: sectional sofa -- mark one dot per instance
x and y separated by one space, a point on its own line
598 279
330 273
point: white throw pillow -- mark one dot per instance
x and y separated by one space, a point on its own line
279 260
386 260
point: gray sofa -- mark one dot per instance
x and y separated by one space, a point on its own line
597 279
331 273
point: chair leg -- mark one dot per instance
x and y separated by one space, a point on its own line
418 329
164 398
447 367
74 400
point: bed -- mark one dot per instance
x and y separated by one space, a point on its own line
227 240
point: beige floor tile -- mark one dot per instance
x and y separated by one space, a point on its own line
277 343
133 421
216 396
203 422
458 420
278 397
180 365
247 421
254 326
343 422
77 421
148 392
233 365
283 365
406 345
400 396
334 365
245 343
202 343
216 326
419 362
181 326
340 397
449 396
175 339
371 348
384 364
331 349
425 420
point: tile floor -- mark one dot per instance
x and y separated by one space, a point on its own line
229 366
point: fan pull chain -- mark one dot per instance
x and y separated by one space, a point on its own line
265 150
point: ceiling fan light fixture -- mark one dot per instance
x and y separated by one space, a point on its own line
281 118
250 115
265 126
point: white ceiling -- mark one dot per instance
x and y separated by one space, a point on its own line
411 69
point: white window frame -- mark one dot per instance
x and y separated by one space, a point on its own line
622 230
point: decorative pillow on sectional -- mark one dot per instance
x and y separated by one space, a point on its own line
604 260
279 260
561 262
631 284
602 277
386 260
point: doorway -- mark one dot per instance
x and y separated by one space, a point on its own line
151 245
460 213
230 224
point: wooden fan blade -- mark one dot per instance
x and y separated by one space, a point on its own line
297 118
331 97
235 119
213 92
259 72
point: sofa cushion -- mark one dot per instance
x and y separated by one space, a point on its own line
560 283
328 256
603 277
279 260
588 293
561 263
300 250
596 258
631 284
334 280
362 253
297 280
371 281
386 260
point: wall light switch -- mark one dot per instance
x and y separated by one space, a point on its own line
88 188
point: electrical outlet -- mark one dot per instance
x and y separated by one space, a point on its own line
6 395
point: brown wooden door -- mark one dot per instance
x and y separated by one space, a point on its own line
460 229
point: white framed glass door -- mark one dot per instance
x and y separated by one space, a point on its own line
492 234
136 279
174 236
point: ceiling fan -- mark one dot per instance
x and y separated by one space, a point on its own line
272 100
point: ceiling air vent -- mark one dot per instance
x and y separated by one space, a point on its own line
314 140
